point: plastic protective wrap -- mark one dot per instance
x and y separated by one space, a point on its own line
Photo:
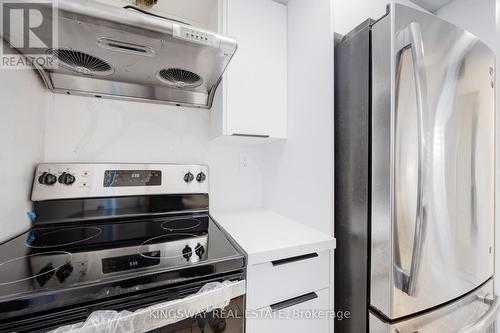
210 297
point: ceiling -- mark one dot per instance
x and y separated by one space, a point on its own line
432 5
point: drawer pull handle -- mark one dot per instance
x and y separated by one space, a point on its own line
265 136
294 301
293 259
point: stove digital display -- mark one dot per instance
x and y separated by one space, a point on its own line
134 261
122 178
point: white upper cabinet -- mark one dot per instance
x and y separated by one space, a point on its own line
253 98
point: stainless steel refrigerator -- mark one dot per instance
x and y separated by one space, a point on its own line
414 177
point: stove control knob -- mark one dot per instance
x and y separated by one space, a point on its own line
63 272
66 178
45 274
201 177
187 252
47 179
199 250
188 177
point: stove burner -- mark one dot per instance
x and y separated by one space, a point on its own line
43 239
181 224
144 249
9 270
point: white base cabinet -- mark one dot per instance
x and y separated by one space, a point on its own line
288 272
273 282
289 295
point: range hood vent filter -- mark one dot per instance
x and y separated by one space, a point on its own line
179 78
82 63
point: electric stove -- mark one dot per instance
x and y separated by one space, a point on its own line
103 233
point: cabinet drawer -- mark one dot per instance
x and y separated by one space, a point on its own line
307 313
276 281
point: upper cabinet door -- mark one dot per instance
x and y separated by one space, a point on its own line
256 80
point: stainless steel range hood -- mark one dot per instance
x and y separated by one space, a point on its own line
125 53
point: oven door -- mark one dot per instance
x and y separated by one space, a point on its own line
215 307
208 306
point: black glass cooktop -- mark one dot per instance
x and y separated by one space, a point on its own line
85 237
146 251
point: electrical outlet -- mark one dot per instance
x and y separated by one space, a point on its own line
243 161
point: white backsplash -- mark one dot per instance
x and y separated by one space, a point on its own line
82 129
91 129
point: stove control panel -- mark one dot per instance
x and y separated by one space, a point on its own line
83 180
130 262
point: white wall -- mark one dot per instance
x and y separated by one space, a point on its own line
24 105
299 171
232 187
479 18
91 129
100 130
347 14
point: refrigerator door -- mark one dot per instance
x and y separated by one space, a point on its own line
432 162
474 313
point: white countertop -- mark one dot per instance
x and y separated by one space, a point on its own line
266 235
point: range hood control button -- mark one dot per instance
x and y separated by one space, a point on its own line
188 177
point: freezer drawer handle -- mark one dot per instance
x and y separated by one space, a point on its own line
485 321
412 37
293 301
293 259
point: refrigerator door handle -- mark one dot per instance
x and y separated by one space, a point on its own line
411 37
486 320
